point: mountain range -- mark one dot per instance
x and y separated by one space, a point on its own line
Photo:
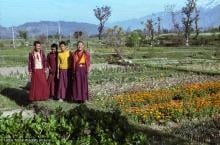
209 18
50 28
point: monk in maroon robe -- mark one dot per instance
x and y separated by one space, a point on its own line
37 67
80 65
52 65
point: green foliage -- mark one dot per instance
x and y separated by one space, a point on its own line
135 73
1 44
203 131
171 40
77 126
134 39
115 37
23 34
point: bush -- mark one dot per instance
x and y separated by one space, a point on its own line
1 45
171 40
217 52
77 126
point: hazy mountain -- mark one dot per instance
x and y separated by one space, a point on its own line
208 4
49 27
3 32
209 17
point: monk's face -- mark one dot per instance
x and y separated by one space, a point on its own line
62 47
80 46
38 47
53 50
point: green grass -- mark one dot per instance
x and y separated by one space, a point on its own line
128 75
15 92
193 65
18 56
7 103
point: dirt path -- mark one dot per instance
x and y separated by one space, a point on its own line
109 89
16 71
13 71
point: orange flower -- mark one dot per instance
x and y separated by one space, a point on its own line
159 103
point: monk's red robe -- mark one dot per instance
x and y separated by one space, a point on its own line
52 79
39 88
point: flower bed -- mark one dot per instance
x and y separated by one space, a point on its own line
173 104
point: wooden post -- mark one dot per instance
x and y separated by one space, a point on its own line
59 30
13 36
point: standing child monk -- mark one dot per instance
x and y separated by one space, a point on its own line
81 64
37 67
52 65
64 72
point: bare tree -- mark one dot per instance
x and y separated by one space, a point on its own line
109 36
128 30
102 14
13 36
115 37
176 25
59 30
42 38
187 19
47 34
158 25
150 29
197 30
78 35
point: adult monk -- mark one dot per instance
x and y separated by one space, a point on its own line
52 65
37 67
64 73
80 65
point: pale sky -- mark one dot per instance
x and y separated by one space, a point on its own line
16 12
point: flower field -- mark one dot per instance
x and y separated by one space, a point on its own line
173 104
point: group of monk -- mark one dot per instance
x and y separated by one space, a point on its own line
68 73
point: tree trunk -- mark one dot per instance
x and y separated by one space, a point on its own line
187 40
100 36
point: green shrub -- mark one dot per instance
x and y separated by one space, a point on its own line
1 45
77 126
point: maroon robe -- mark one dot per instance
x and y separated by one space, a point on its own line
39 88
80 76
64 90
52 79
65 84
